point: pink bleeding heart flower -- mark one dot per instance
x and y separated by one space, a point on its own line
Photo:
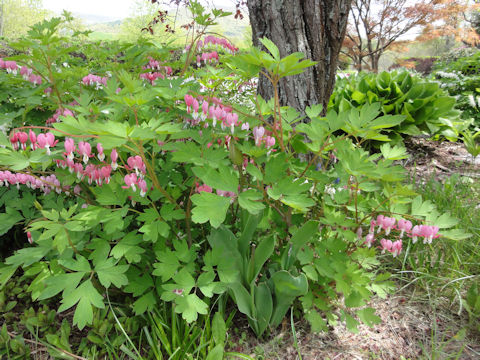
101 155
195 106
404 225
114 158
85 149
204 110
428 232
77 189
269 141
245 126
130 181
188 102
29 237
33 139
46 141
231 120
14 140
204 187
258 132
387 224
22 139
379 222
359 232
369 239
136 163
396 248
69 148
106 172
143 187
416 233
386 245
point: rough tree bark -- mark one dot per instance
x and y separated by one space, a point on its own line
313 27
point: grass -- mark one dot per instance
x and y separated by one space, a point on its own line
444 275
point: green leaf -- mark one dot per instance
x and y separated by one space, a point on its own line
216 353
313 111
128 248
168 265
368 317
254 171
8 219
190 306
209 207
271 47
219 329
287 285
86 296
80 264
249 200
393 153
446 221
316 321
63 282
144 303
222 179
108 272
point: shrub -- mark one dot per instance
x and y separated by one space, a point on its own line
461 78
422 65
156 188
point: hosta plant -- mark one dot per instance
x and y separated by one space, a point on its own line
421 107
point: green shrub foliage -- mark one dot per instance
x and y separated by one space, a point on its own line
150 178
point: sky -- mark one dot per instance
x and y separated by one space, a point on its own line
117 9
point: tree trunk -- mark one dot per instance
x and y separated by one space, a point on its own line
314 27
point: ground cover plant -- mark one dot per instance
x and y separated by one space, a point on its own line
133 187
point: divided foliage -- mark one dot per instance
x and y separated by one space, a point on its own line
159 191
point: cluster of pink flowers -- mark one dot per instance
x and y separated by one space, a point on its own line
152 76
27 73
204 187
219 114
161 72
136 179
155 65
218 42
45 183
387 224
210 57
94 80
10 66
259 135
40 141
101 174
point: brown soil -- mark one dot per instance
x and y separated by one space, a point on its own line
440 159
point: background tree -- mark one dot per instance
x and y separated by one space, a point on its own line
375 25
455 21
16 16
314 27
